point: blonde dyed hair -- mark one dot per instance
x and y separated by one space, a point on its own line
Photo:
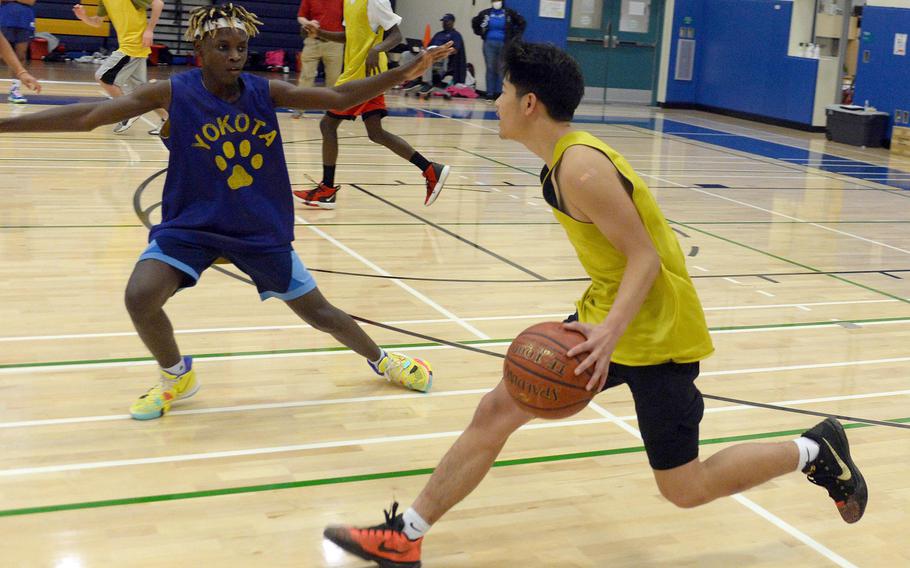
238 16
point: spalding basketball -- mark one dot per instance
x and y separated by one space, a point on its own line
539 375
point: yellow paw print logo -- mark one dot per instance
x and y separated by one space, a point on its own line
239 176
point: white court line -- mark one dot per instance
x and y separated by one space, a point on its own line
354 400
273 327
768 294
772 212
792 218
733 280
700 268
748 503
416 321
335 444
398 282
452 118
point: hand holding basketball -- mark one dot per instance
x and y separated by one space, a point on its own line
599 344
541 377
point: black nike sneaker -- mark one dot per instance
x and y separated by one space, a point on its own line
834 470
385 544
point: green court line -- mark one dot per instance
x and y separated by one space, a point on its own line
382 475
421 344
236 354
793 262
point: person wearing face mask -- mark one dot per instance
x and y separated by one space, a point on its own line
498 26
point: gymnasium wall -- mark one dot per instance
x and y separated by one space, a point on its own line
741 61
883 80
418 13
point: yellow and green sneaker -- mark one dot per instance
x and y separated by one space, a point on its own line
157 401
409 372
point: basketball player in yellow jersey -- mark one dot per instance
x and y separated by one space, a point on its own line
370 30
642 319
125 69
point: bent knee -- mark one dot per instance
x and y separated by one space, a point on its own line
328 126
140 299
497 411
684 496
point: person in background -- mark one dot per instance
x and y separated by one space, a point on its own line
125 69
9 56
328 14
497 25
457 64
17 24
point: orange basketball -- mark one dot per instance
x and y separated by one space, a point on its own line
539 375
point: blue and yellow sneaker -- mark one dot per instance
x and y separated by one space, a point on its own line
411 373
16 97
157 401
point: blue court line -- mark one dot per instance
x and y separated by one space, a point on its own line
826 162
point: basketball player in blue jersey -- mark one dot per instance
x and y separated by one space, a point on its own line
227 194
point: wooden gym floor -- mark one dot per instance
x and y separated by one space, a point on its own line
799 248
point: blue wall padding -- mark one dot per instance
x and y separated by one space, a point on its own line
741 61
885 80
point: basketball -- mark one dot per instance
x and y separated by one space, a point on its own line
539 375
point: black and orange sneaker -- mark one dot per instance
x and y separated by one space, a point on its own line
435 175
834 470
384 544
321 196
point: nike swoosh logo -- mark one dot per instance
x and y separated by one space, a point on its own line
845 474
384 548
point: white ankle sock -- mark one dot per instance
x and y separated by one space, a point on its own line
177 369
414 525
381 356
16 84
808 451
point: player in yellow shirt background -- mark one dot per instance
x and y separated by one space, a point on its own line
370 30
125 69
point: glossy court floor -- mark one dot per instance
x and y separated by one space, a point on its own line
799 249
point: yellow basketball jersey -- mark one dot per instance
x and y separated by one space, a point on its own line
129 20
670 326
359 38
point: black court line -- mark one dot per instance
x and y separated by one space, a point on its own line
771 280
693 251
451 234
742 402
677 230
891 275
139 212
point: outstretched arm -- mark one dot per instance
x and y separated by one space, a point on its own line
94 21
86 116
355 92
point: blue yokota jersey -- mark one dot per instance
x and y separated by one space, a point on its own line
227 182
